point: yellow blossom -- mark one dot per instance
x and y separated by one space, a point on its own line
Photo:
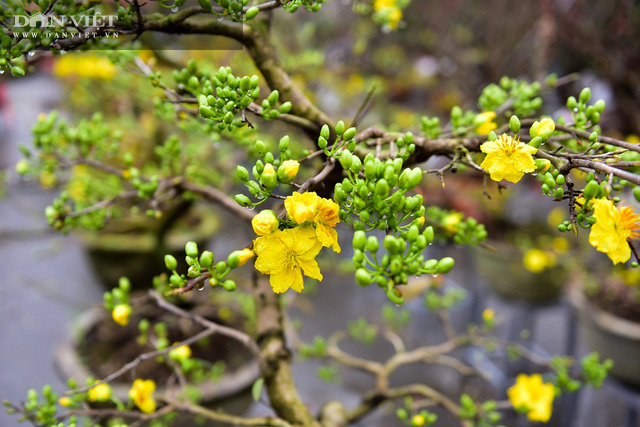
301 207
65 401
543 128
560 245
451 221
245 255
613 228
536 260
417 420
265 222
326 218
484 122
89 65
390 11
99 393
532 394
508 158
180 353
379 5
48 179
142 395
121 313
284 255
288 171
488 314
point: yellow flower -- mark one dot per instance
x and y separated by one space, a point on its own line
394 16
484 122
301 207
488 314
288 171
121 313
99 393
543 128
91 66
48 179
560 245
530 393
265 222
141 393
245 255
180 353
379 5
613 228
65 401
451 221
508 158
417 420
327 218
284 255
536 261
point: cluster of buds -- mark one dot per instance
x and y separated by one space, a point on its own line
117 301
268 172
204 263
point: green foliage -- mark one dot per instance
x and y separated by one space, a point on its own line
362 331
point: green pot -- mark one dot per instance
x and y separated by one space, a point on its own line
503 272
135 247
610 336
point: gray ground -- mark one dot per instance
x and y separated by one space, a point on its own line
45 282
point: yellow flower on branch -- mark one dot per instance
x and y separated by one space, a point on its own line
121 313
142 395
288 171
99 393
508 158
327 218
245 256
614 227
530 393
536 260
484 122
301 207
180 353
285 255
265 222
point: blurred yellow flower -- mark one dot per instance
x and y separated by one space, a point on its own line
180 353
536 260
613 228
508 158
417 420
488 314
484 122
142 395
532 394
451 221
99 393
89 65
265 222
284 255
65 401
121 313
560 245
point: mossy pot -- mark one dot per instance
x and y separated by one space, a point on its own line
502 270
610 336
134 247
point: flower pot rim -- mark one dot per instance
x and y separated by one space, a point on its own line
69 364
605 320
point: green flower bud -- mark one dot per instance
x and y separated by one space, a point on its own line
599 106
514 124
242 173
191 249
273 97
415 176
229 285
260 148
356 164
234 259
325 132
286 107
251 13
346 159
536 142
391 244
636 193
322 143
22 167
206 259
359 240
591 190
572 102
349 134
340 127
382 187
429 234
395 295
445 265
585 95
372 244
170 262
363 278
283 145
242 200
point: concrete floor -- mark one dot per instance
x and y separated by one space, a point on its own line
45 282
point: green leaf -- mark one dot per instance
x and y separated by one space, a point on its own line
256 389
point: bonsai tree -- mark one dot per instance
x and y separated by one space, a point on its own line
298 196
